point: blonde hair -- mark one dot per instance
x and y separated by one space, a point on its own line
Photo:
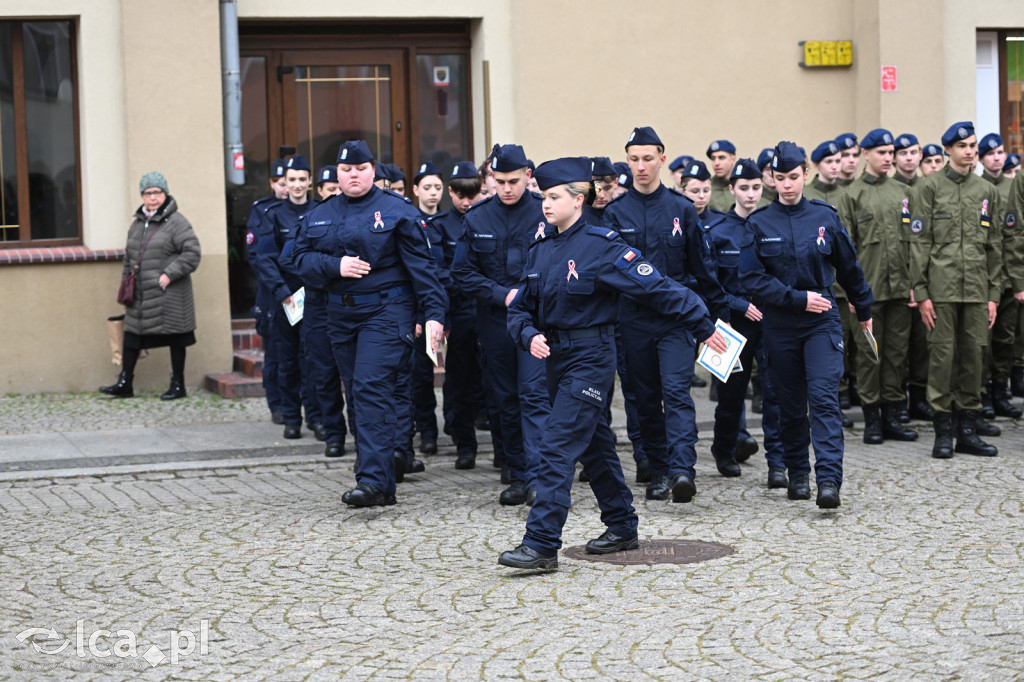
580 188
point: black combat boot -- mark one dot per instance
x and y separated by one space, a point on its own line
1000 397
892 429
943 448
987 410
967 440
122 389
873 425
919 407
1017 381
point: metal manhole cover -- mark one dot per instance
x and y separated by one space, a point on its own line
657 552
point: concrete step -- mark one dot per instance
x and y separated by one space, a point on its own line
234 385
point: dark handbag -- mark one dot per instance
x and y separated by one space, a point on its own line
126 292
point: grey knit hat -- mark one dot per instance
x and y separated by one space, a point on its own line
153 179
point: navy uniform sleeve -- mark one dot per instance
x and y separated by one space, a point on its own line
413 248
849 273
756 280
470 275
309 261
522 311
267 262
700 263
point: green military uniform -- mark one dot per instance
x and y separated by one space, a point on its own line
955 263
823 191
768 195
917 353
909 182
843 182
1013 253
721 198
1005 329
876 213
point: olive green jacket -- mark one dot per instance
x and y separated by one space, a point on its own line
876 214
721 198
1013 231
954 239
830 194
1009 240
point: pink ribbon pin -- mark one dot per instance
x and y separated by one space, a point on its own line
572 271
540 231
821 235
377 220
676 229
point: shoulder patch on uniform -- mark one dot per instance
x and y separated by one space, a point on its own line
827 205
628 257
605 232
1011 219
916 226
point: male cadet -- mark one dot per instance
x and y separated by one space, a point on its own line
625 178
850 152
499 232
768 191
276 229
1011 166
397 176
1012 223
932 159
954 271
663 224
723 157
1004 331
605 180
264 306
876 214
906 159
677 167
826 159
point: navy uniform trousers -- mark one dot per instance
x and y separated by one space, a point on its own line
577 429
804 355
462 374
323 379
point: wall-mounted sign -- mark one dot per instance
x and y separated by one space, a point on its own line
826 53
890 79
442 76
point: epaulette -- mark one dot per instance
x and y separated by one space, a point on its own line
615 199
819 202
400 196
605 232
481 203
263 200
673 190
272 204
714 219
437 215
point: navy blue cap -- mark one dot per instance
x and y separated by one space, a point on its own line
382 171
465 170
644 135
696 170
765 157
531 165
395 172
846 141
277 168
721 146
931 150
298 162
904 141
680 162
355 152
989 143
1012 161
625 175
327 174
562 171
823 150
507 158
787 157
745 169
879 137
601 166
957 131
424 169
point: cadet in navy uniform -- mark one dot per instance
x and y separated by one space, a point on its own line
564 312
728 234
371 250
787 265
276 229
264 305
663 224
499 231
604 179
696 185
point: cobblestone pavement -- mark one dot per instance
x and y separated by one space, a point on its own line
918 575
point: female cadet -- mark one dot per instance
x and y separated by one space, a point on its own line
564 312
372 252
787 264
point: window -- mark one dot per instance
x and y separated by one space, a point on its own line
39 184
1013 89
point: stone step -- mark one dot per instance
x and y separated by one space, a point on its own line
249 362
234 385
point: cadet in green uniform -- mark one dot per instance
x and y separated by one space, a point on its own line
768 191
932 159
876 214
954 271
907 158
723 157
1010 169
850 151
1015 265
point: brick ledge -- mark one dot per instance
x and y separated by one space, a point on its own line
58 254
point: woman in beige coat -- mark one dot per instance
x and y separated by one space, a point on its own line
164 251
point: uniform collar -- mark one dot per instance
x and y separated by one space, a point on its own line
992 178
374 190
575 227
648 197
953 175
823 186
900 177
795 208
719 182
873 179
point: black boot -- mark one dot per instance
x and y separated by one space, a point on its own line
1000 396
904 411
844 400
726 463
987 410
984 428
892 429
122 389
176 390
1017 381
872 425
967 440
943 448
919 407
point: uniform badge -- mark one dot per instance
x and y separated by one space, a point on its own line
1011 220
916 226
905 216
249 238
676 229
644 269
985 222
540 231
629 255
344 154
572 270
821 236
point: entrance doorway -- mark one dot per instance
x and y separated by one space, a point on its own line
404 88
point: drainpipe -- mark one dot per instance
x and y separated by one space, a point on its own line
234 168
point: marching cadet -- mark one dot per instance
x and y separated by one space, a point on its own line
1004 331
954 270
1011 166
827 160
1012 224
728 234
372 252
663 225
876 214
696 186
849 150
678 165
264 306
932 159
605 180
722 154
564 312
768 193
499 231
396 178
793 248
907 158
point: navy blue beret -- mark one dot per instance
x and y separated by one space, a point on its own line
990 143
277 168
601 166
765 157
846 141
298 162
563 171
507 158
879 137
327 174
696 170
355 152
905 141
395 172
624 173
931 150
426 168
957 131
721 146
680 162
382 171
787 157
644 135
465 170
1012 161
823 150
745 169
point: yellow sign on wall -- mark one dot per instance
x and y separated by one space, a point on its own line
827 53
